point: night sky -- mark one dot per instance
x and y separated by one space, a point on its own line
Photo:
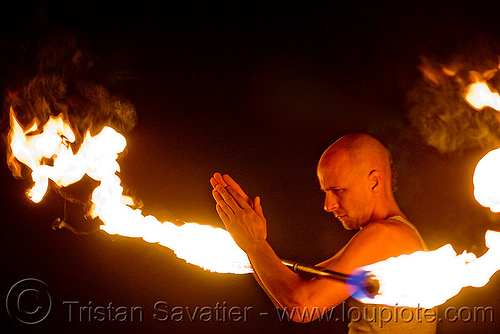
257 91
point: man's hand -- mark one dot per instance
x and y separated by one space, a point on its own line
243 218
227 180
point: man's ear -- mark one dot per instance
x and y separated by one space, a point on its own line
375 179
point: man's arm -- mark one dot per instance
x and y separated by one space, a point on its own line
296 295
247 225
225 181
329 261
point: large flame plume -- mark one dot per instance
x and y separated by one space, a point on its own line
428 279
64 126
47 151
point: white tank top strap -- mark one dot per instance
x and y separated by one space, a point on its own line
405 221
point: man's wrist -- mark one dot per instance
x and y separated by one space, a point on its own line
256 246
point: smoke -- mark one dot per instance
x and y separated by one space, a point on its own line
62 82
436 105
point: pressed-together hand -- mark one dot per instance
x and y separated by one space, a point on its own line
242 217
227 180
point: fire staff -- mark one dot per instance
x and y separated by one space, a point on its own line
356 176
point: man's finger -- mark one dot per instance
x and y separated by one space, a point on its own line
258 207
218 177
242 202
221 202
223 216
213 182
231 183
227 198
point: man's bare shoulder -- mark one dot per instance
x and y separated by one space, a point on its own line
377 242
393 229
391 233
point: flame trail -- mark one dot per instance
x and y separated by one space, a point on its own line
208 247
428 279
48 151
422 279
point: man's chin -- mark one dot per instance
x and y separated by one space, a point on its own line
348 225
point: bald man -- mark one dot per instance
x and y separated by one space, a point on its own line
355 175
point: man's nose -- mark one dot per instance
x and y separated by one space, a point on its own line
331 203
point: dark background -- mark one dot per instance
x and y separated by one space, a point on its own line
257 91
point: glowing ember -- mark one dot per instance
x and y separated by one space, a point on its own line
479 95
427 279
208 247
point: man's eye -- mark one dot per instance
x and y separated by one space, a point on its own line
337 190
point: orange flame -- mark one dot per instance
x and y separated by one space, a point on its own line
479 95
208 247
486 178
31 149
486 181
427 279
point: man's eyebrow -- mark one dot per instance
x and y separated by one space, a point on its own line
331 188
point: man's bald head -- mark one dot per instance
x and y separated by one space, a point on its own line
355 174
362 154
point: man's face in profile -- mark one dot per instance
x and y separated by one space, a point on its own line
347 192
